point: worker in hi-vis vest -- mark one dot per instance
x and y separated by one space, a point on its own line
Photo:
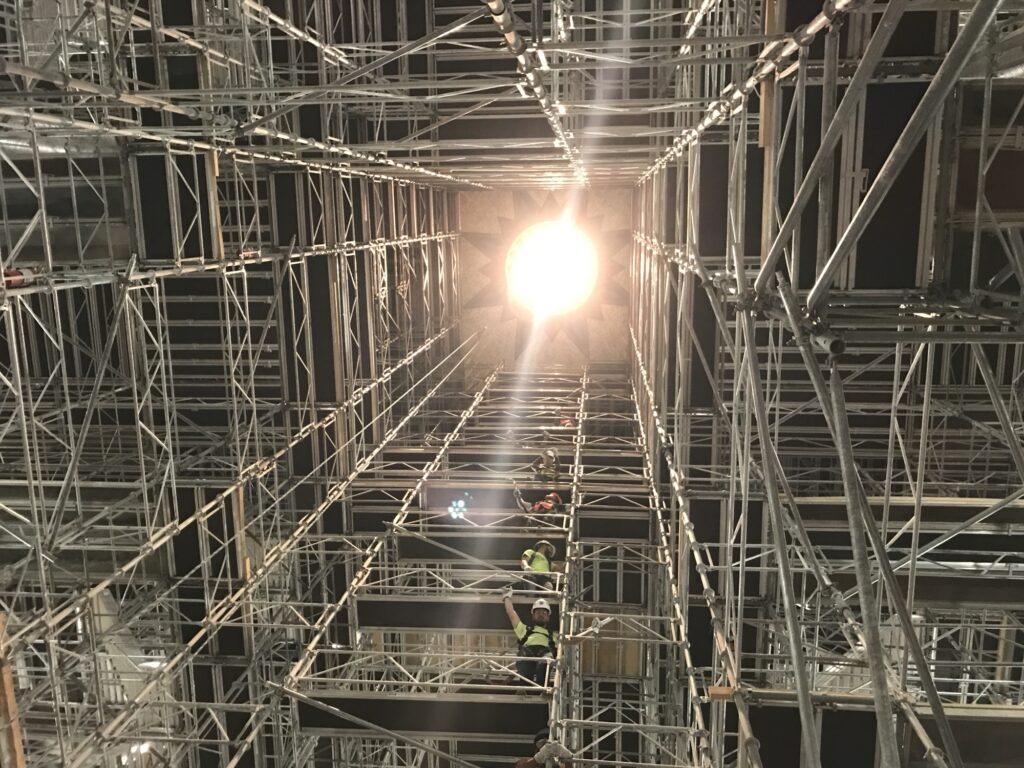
536 639
547 467
537 563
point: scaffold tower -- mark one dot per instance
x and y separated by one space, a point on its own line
270 401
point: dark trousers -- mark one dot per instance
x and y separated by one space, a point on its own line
541 579
530 669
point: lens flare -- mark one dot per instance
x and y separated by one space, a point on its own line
551 268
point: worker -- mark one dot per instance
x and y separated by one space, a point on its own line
546 467
550 504
547 752
536 639
537 563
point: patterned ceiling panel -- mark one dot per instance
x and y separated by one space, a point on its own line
597 331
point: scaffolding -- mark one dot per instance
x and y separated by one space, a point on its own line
851 443
237 400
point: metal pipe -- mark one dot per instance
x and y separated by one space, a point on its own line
829 88
734 95
28 631
272 154
823 160
370 725
829 342
505 20
347 598
565 604
877 545
922 460
872 634
87 278
982 172
293 102
71 472
939 88
141 100
809 734
749 743
961 337
959 528
232 602
1009 433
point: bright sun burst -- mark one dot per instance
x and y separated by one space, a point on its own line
551 268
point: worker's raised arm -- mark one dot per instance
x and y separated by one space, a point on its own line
510 610
518 496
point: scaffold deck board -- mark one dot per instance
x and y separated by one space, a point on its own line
517 715
453 612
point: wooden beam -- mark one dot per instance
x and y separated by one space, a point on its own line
12 753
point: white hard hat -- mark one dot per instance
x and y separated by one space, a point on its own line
540 602
542 542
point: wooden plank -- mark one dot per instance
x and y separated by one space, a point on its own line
720 693
12 752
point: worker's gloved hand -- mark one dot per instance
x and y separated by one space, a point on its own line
558 752
551 751
544 753
506 593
